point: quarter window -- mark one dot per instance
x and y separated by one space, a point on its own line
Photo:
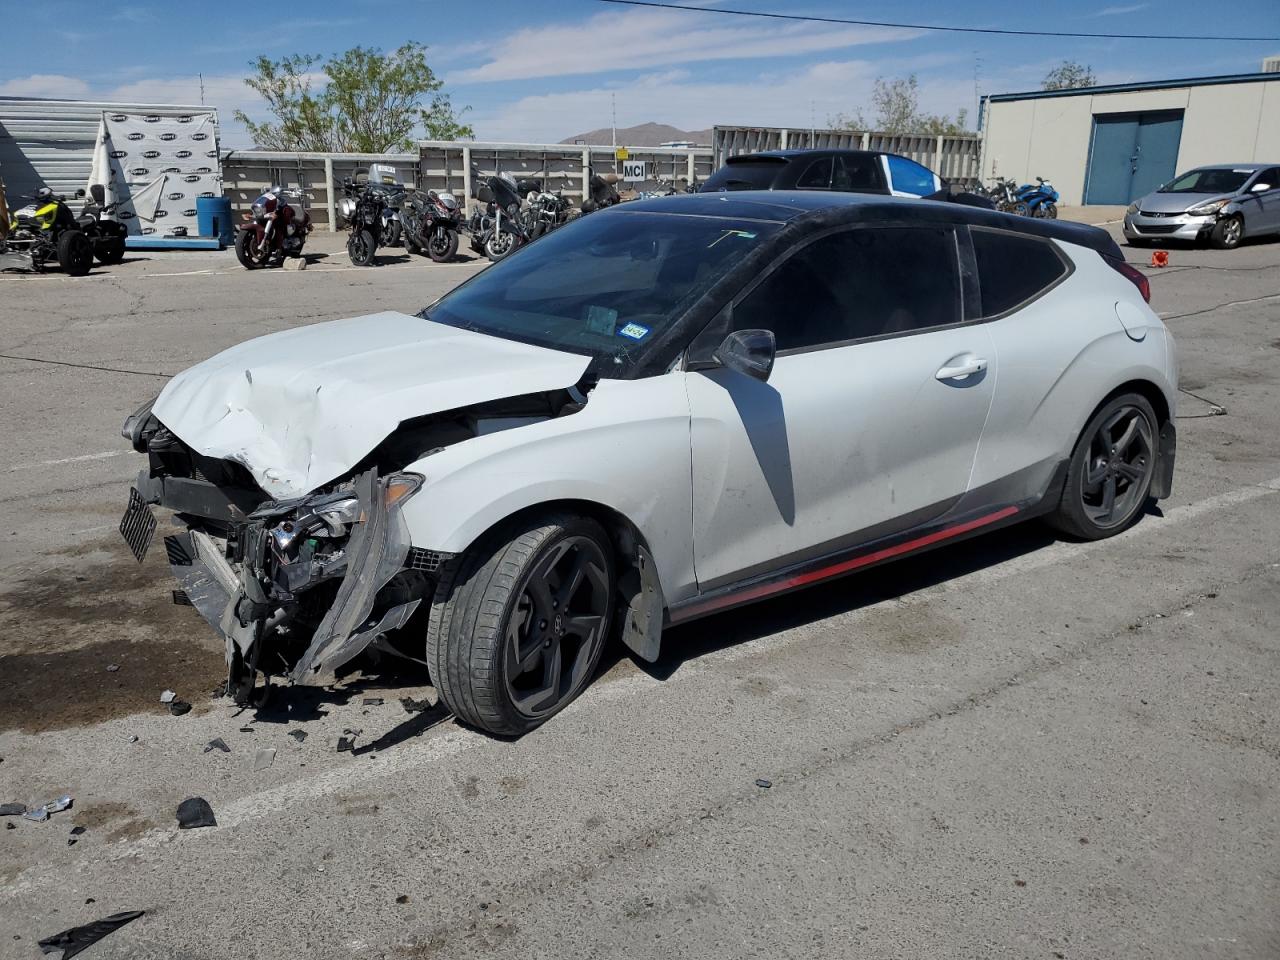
858 173
867 282
817 176
909 177
1013 269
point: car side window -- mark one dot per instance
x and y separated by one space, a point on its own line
907 176
1271 178
860 283
1013 269
817 176
858 173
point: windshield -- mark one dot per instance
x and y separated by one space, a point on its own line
1208 181
606 286
752 175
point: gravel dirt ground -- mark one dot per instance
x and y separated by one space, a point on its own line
1013 747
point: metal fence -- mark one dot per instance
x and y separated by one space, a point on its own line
454 165
952 157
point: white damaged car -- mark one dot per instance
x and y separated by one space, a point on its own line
660 411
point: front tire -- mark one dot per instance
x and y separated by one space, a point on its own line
440 248
1109 477
519 621
361 248
111 252
500 246
249 251
1227 233
75 253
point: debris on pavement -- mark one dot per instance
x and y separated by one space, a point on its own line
415 706
76 834
346 745
373 701
217 743
298 735
195 812
12 809
41 814
403 898
168 696
179 707
112 667
248 730
72 941
764 784
8 825
131 738
264 758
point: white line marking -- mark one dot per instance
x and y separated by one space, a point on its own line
409 756
105 455
184 273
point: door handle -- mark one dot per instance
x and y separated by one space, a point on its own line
957 368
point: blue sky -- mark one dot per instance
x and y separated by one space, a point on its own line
539 71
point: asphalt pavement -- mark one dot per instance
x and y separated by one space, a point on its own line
1011 747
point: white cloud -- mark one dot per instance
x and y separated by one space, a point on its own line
647 38
55 85
1121 10
784 99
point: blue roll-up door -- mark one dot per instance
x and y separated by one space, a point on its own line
1131 154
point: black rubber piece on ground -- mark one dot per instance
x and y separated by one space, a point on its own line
72 941
195 812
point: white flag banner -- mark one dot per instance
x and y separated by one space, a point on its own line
156 167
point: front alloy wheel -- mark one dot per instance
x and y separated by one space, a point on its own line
1109 478
519 622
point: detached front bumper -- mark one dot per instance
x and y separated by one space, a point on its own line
263 575
1181 226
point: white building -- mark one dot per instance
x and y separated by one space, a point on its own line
1113 144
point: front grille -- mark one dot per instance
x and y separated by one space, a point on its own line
1148 213
426 561
1162 228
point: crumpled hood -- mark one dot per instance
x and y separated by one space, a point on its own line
301 407
1177 202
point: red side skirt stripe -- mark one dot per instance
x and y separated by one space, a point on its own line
846 566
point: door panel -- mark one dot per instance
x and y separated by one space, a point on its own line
837 442
1131 155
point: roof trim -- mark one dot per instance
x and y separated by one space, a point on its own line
1143 85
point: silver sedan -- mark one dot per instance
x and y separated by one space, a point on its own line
1221 204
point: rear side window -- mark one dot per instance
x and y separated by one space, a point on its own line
908 176
750 175
858 174
817 176
867 282
1014 269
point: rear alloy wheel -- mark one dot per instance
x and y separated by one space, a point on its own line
75 253
1227 233
1109 478
519 621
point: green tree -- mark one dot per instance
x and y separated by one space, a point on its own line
897 110
361 101
1069 75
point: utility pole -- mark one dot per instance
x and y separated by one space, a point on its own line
201 76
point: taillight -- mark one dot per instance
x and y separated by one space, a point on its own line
1132 274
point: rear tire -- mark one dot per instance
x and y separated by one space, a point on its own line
1112 466
518 622
1227 233
75 253
392 237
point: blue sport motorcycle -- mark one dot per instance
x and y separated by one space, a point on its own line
1040 200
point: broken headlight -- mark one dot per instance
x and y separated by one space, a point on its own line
332 514
140 424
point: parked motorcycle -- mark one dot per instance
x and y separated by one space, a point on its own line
432 223
277 228
547 209
47 231
603 189
1002 193
499 227
362 206
392 225
1040 200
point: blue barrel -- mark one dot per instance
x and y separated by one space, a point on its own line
213 217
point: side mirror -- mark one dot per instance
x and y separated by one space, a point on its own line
99 193
80 193
749 351
1261 187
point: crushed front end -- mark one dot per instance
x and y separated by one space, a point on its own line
296 587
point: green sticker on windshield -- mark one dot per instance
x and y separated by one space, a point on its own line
601 320
732 233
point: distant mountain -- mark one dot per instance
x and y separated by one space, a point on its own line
643 135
